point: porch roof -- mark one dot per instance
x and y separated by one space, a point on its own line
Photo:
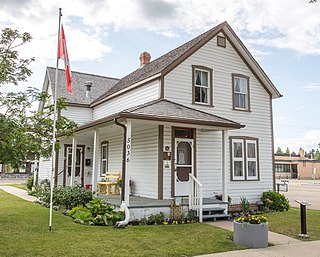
164 110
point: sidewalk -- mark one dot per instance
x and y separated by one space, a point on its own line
19 193
284 246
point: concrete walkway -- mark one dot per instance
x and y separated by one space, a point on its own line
18 192
284 246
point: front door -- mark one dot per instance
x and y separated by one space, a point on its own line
78 176
183 165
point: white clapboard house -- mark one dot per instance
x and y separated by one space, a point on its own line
190 124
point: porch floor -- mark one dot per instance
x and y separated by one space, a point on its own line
144 202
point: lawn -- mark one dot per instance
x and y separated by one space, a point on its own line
288 223
24 232
21 186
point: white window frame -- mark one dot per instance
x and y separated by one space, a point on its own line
236 94
255 159
106 145
238 159
244 159
207 87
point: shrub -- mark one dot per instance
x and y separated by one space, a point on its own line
30 183
67 197
274 201
245 205
96 212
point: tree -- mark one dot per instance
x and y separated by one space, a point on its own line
287 151
25 133
279 151
13 69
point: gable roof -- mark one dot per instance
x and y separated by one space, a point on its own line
163 110
100 85
164 64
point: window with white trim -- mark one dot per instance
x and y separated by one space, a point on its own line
202 85
104 159
244 159
240 92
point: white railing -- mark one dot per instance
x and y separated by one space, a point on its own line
195 196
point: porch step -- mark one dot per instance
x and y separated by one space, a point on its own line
216 216
214 213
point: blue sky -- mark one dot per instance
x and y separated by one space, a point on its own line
106 37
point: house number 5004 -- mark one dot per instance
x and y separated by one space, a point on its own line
128 158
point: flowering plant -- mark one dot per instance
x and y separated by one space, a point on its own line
252 219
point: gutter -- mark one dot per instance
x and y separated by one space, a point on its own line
123 170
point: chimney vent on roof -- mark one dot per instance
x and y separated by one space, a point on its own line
145 58
88 86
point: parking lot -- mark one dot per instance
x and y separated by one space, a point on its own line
308 190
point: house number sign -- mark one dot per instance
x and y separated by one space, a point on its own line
128 146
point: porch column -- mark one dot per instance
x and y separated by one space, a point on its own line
128 162
95 161
73 163
224 165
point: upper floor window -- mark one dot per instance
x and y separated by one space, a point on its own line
202 85
241 99
244 159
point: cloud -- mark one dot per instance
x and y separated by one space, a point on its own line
312 87
309 140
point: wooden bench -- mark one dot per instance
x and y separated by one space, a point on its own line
111 183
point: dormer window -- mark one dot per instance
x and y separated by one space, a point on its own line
202 85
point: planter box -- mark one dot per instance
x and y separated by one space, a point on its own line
250 235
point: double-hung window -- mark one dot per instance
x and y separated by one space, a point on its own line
104 159
240 92
202 85
244 159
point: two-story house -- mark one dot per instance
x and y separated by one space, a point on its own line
191 123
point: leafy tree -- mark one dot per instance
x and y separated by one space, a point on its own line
279 151
287 151
293 153
13 68
24 133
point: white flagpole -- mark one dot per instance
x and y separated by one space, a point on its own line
54 128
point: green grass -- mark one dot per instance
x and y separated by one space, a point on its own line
21 186
24 232
288 223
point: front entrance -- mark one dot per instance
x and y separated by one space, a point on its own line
183 165
79 171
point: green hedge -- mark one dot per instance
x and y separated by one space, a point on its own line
273 201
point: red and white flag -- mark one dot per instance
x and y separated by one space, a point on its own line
63 54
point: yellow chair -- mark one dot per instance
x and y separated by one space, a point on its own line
111 183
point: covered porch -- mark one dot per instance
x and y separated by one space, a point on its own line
165 149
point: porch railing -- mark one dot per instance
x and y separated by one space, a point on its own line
195 196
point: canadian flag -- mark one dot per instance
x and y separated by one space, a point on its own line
63 54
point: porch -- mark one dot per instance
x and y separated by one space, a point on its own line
141 207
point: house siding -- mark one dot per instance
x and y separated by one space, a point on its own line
144 152
225 62
80 115
127 100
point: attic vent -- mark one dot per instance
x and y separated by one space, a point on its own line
221 41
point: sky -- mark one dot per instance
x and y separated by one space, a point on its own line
106 37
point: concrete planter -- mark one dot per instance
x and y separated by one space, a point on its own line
250 235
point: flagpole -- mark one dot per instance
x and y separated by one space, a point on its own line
54 127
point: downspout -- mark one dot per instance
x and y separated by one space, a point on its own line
123 206
123 170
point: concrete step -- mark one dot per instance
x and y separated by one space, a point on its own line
214 217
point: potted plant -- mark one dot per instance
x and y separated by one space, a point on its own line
251 231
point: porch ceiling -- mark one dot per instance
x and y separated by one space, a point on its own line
163 110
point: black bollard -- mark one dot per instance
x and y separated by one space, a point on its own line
303 218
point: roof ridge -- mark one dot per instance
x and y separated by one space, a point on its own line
85 73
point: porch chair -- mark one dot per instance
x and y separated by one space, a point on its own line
111 183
